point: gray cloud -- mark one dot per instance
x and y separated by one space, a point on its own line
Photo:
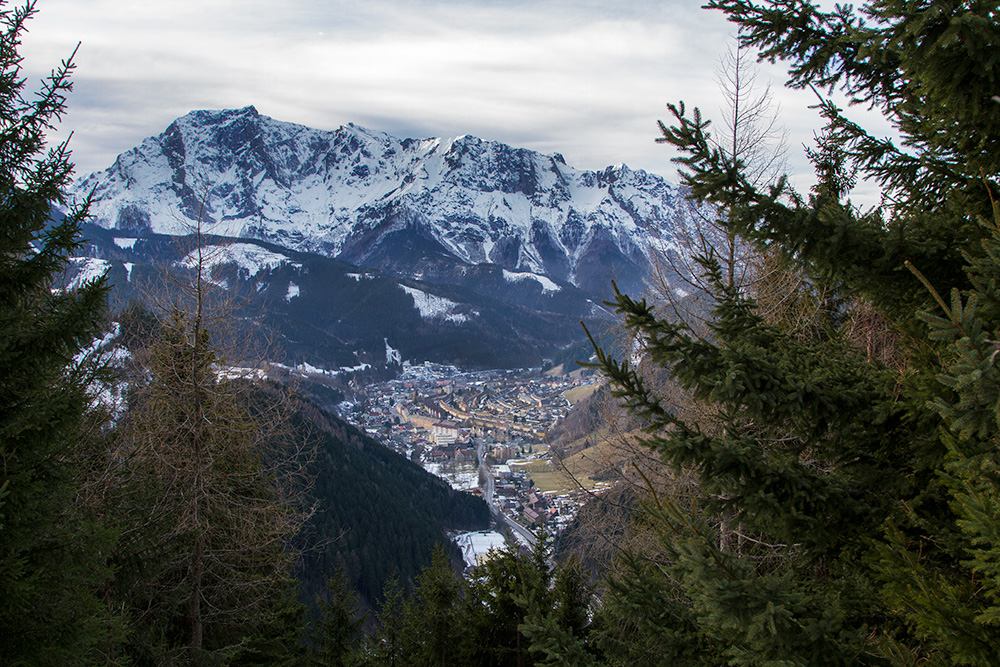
585 78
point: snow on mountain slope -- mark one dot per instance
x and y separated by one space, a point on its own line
547 285
431 306
251 258
87 270
353 193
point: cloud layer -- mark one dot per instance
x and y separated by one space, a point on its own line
586 79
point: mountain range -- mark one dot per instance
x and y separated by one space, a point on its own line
361 249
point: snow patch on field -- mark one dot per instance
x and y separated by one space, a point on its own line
548 287
461 476
125 244
249 257
431 306
293 291
475 546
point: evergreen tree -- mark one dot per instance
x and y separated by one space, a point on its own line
50 554
279 643
431 621
496 604
338 636
521 609
858 497
385 646
557 610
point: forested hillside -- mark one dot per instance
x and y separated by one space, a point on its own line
334 315
376 514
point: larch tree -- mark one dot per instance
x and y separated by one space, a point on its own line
50 555
202 490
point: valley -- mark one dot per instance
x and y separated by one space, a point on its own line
484 432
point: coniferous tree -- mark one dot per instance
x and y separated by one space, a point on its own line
338 633
431 622
859 496
279 643
496 604
49 554
521 609
385 645
556 622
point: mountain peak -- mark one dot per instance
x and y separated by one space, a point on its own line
361 195
216 116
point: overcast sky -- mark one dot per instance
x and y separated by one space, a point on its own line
585 78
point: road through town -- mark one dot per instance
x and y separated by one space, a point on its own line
487 485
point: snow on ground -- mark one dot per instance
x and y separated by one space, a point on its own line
307 369
88 269
98 344
128 271
293 291
431 306
476 545
239 373
392 355
247 256
548 287
461 476
106 392
125 244
425 371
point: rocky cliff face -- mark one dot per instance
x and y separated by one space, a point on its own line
414 208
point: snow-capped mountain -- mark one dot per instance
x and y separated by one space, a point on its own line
429 209
356 250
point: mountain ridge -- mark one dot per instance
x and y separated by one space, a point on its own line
459 251
360 195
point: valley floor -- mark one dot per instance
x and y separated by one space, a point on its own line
485 433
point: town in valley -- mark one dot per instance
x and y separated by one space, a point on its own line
485 432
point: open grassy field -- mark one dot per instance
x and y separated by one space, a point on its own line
545 476
577 394
576 470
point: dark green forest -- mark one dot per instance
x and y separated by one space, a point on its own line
821 487
377 515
